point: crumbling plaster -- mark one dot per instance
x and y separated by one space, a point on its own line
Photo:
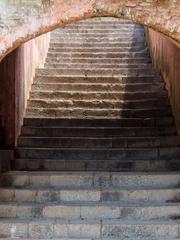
22 20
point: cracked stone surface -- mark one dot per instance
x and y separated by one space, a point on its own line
21 20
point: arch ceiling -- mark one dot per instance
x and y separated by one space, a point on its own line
22 20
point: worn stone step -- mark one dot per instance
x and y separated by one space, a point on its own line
86 239
104 25
123 122
48 229
96 195
88 229
83 49
93 72
97 39
129 229
114 23
107 21
121 44
98 153
98 30
99 55
102 180
83 95
98 112
98 66
89 211
113 35
100 26
99 80
86 142
150 103
93 60
75 131
89 165
101 87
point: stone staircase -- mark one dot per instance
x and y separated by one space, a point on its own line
54 205
97 158
98 104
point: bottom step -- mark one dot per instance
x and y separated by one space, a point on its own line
99 165
114 229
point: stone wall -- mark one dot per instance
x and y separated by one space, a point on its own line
17 71
22 20
166 56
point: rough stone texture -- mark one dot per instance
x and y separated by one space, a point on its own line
147 206
24 20
166 56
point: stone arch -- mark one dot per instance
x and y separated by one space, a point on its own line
21 20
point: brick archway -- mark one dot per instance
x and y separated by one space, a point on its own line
22 21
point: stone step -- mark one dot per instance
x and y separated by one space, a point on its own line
90 165
110 36
83 95
103 25
121 32
106 20
155 153
94 131
93 72
83 49
140 72
113 229
89 211
97 49
99 55
93 60
99 31
99 80
102 180
98 142
117 44
95 39
102 87
98 112
125 44
123 122
100 26
98 66
86 195
150 103
87 238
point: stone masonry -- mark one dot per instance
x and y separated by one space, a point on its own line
21 21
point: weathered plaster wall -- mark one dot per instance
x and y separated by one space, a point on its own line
16 75
166 56
21 20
